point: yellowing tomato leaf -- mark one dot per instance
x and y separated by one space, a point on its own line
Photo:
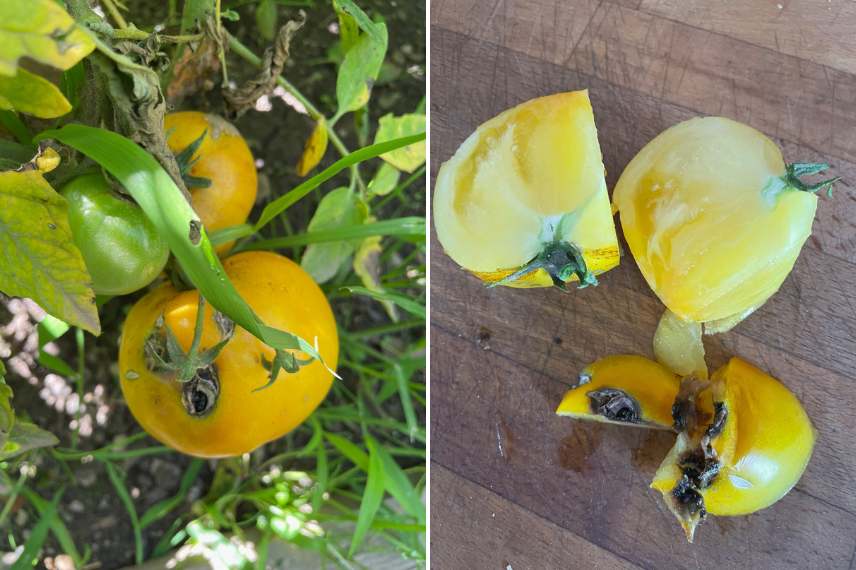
40 30
367 266
33 95
313 151
337 208
408 158
40 259
24 437
359 70
349 29
356 15
384 180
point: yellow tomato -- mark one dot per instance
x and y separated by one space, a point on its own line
224 159
221 411
746 458
523 202
714 218
624 389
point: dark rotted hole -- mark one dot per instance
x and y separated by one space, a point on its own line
720 415
615 405
688 498
199 401
699 468
199 395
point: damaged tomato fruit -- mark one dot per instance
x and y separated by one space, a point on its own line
217 166
743 441
523 202
624 389
226 406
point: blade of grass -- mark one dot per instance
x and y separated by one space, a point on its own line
399 486
350 450
57 526
406 402
285 201
372 496
38 535
125 497
412 226
322 469
405 303
162 508
420 172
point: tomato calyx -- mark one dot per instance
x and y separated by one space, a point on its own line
792 181
195 369
186 161
284 360
561 260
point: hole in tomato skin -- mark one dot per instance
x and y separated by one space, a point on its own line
688 499
199 395
616 405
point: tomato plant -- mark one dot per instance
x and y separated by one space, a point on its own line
313 188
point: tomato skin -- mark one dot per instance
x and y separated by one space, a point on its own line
223 158
243 417
710 238
122 249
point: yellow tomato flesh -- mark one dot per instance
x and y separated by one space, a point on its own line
527 178
707 221
244 417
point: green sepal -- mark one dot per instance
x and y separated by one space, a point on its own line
561 260
186 161
797 169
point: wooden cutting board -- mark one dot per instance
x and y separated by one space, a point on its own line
512 485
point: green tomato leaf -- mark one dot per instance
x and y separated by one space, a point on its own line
266 19
359 70
33 95
384 180
25 437
367 266
40 259
164 204
337 208
40 30
391 127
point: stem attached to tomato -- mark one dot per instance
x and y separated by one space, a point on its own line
795 170
561 260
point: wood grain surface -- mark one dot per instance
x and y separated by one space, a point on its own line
514 485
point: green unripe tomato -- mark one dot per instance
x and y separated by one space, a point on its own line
122 249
